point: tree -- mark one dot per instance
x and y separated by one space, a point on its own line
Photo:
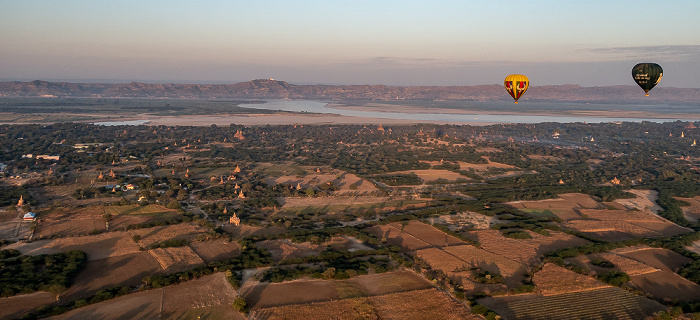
240 305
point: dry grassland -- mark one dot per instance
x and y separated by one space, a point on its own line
553 280
177 259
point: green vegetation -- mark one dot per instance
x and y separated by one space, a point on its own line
614 278
26 274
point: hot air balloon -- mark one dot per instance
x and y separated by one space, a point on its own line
516 85
647 75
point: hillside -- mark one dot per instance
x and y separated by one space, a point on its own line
274 89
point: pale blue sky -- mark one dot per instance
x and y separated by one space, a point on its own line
403 42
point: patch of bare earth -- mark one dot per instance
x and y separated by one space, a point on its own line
176 259
466 220
17 306
285 249
645 200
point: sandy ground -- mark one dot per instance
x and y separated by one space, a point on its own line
380 107
279 119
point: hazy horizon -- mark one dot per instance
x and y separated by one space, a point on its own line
396 43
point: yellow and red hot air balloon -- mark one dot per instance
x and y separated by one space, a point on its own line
516 85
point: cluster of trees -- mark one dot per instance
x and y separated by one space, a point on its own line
26 274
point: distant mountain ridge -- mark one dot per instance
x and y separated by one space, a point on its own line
275 89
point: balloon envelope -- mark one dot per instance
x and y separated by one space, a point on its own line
647 75
516 85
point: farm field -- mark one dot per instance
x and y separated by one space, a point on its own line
553 279
428 175
666 285
124 270
617 230
101 246
603 304
399 306
185 230
16 306
176 259
266 295
525 251
69 227
215 250
285 249
659 258
428 234
511 270
297 292
14 230
195 297
395 237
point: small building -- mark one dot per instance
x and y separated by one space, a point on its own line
29 216
130 186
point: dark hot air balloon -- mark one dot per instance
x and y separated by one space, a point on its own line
516 85
647 75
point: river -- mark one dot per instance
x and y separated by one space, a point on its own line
321 107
